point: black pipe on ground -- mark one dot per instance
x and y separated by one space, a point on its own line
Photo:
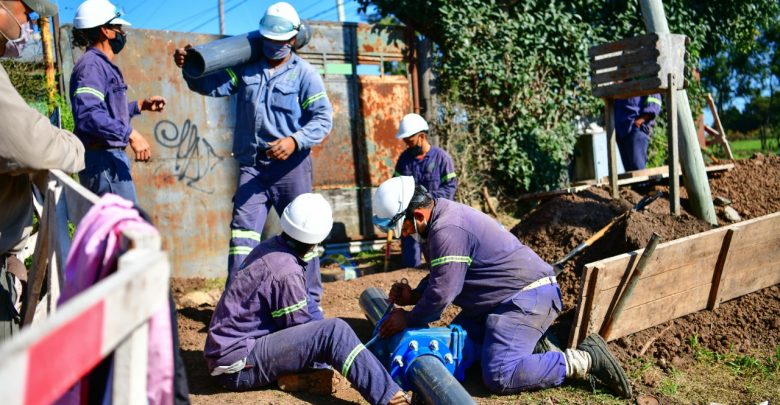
223 53
431 380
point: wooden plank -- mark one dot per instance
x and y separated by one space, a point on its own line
622 74
661 172
623 59
582 312
642 41
124 300
713 301
130 368
609 114
37 273
719 126
628 89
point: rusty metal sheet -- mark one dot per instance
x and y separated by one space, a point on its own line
331 42
384 101
334 161
385 41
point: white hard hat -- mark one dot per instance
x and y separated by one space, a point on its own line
280 22
411 124
390 202
94 13
308 218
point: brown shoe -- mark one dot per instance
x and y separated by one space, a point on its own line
320 381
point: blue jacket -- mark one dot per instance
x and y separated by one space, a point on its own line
628 110
98 96
475 263
435 171
291 101
267 295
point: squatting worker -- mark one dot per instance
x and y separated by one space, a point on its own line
508 295
281 112
98 94
634 121
28 144
430 166
262 331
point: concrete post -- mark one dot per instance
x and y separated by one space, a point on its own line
694 172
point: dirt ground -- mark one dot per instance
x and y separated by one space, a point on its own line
749 325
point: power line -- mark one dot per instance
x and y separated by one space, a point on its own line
191 17
214 18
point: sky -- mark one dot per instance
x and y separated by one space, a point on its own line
203 15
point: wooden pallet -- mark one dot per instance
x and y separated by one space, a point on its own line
684 276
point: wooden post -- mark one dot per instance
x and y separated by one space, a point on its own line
696 183
719 127
48 61
674 163
609 117
717 276
130 368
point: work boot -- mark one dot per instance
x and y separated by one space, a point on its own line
317 381
604 367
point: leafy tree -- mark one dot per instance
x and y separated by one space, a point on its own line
520 68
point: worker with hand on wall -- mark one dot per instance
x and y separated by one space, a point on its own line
98 95
29 145
634 121
282 111
508 295
430 166
262 331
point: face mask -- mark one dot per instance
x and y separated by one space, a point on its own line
118 42
416 235
14 47
416 150
275 51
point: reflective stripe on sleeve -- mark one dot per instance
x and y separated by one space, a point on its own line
351 359
287 310
240 250
447 177
450 259
240 233
233 77
653 100
313 99
90 90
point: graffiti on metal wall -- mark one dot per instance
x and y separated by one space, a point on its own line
195 157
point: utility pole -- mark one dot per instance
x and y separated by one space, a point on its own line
221 18
48 60
340 6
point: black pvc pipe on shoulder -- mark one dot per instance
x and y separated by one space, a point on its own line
214 56
434 384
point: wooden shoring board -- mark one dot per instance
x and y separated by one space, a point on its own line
678 279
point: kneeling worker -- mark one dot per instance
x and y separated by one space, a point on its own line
508 294
261 329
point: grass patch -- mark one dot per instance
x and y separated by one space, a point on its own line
744 148
741 365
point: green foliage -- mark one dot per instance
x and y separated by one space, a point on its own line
28 78
740 364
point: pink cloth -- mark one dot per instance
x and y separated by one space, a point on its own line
92 257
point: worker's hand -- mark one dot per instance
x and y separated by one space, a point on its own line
281 149
153 103
394 323
142 149
401 294
180 54
639 121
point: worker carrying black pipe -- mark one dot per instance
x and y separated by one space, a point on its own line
509 296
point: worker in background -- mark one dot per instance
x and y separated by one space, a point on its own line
430 166
262 331
508 295
634 121
29 145
282 112
98 95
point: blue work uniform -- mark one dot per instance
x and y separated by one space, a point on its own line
101 113
508 295
272 104
262 319
632 141
436 172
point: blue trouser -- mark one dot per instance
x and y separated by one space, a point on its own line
633 147
410 250
329 341
260 187
508 336
108 171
